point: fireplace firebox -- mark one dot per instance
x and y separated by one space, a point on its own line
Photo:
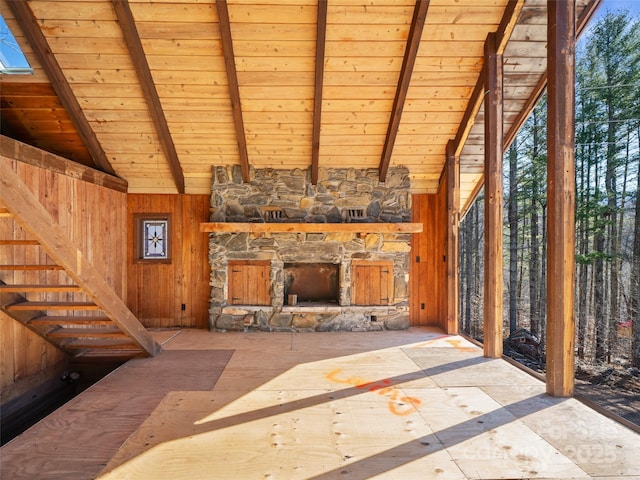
312 282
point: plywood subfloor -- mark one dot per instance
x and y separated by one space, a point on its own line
397 405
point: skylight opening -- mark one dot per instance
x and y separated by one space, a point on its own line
12 60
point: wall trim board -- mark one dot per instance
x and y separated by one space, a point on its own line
39 158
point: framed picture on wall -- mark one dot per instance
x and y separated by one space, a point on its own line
153 237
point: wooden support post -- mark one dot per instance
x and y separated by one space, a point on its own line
560 197
493 200
453 221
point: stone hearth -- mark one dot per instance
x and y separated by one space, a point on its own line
287 196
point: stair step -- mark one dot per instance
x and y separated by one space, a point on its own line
91 356
68 320
4 212
53 306
31 267
19 242
87 333
39 288
100 344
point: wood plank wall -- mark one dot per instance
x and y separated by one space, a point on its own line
428 277
157 291
91 215
26 360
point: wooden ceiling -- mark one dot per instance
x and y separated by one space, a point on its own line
156 92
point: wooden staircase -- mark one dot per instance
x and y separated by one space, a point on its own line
54 291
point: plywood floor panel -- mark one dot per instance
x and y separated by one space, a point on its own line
408 404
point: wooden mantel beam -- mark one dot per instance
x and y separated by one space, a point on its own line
561 34
237 227
136 50
234 91
413 42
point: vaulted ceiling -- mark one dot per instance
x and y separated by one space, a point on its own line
157 92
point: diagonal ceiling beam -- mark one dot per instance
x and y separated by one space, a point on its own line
232 78
507 24
413 42
29 25
321 36
134 44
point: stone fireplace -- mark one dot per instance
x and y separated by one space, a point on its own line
324 278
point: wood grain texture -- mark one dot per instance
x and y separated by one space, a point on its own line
84 211
372 282
311 227
453 232
249 282
493 203
561 201
156 292
427 274
32 216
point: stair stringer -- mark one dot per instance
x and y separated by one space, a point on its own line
34 219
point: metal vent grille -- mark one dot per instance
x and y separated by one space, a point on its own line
272 214
355 213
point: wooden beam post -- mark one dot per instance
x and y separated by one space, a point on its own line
234 91
408 62
321 35
148 86
453 222
561 35
493 200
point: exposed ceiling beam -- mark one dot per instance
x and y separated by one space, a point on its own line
132 39
413 42
232 78
29 25
321 35
507 24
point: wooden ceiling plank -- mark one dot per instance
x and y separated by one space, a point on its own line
507 24
29 25
413 42
539 89
132 39
318 86
232 79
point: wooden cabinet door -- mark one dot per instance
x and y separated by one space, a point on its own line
372 282
249 282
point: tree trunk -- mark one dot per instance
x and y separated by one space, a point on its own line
543 280
583 245
477 275
598 297
634 287
513 238
534 258
611 178
468 251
